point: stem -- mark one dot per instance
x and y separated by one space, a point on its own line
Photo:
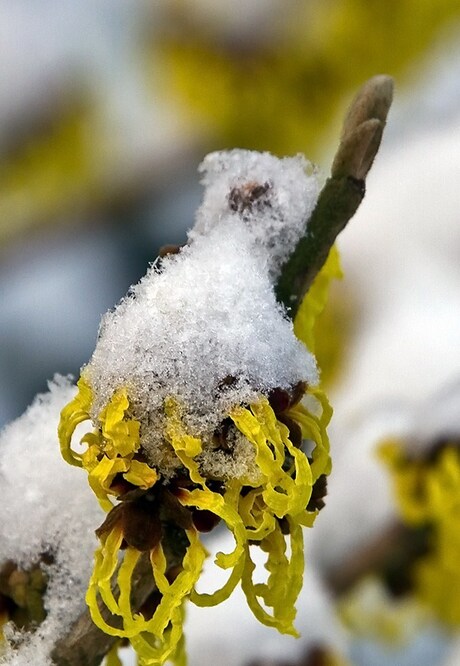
343 192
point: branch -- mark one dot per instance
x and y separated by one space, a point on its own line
391 555
84 644
343 192
366 559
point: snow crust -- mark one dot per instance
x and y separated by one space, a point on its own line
204 326
47 507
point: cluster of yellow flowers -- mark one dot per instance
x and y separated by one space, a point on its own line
256 512
427 490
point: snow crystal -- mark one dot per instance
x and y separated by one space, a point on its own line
47 507
205 326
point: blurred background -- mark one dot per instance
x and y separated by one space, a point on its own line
106 109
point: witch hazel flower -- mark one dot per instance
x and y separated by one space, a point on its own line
426 483
204 407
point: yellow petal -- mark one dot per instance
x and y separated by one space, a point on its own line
185 446
140 474
74 413
122 434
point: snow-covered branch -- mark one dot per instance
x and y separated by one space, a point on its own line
199 397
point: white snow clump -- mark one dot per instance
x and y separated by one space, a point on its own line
204 326
47 509
272 197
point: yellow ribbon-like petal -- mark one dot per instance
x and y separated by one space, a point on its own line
284 582
140 474
185 446
72 415
121 434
